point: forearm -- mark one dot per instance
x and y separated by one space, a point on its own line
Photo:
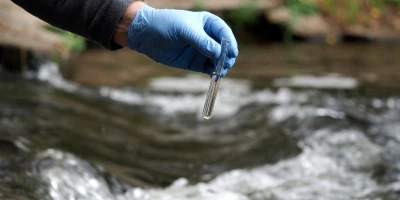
121 31
96 20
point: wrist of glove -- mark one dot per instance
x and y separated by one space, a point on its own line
181 39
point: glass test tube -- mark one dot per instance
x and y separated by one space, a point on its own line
215 80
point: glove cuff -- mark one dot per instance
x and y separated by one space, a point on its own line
136 31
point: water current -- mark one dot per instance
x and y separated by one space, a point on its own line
327 138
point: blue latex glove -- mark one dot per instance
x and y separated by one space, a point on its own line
181 39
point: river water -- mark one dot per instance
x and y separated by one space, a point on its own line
303 137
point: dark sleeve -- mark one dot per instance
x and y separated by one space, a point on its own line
93 19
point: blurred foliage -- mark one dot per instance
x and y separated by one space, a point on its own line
343 12
397 2
245 13
381 4
359 11
298 8
73 42
302 7
354 9
199 6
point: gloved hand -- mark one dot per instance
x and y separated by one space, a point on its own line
181 39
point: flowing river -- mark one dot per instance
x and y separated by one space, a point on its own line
302 137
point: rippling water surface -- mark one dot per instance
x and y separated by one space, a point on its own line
329 138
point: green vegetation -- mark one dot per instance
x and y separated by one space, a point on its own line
302 7
353 11
381 4
397 2
245 13
298 8
74 43
329 2
199 6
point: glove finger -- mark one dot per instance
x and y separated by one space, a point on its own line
217 28
224 72
209 69
229 63
203 43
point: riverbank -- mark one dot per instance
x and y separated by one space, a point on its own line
313 20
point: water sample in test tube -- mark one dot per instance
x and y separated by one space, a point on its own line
215 80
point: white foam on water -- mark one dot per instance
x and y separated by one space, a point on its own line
72 178
168 104
195 84
333 166
49 73
282 113
332 81
121 95
181 94
232 95
187 94
228 103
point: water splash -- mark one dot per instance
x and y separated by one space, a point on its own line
72 178
334 165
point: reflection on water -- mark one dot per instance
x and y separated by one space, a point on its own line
60 140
